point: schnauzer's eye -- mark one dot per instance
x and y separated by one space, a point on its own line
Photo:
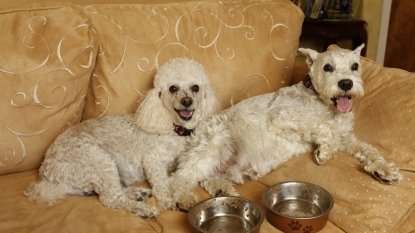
173 89
328 68
355 66
195 88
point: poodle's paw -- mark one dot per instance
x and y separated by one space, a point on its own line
118 200
146 212
166 203
384 172
322 156
184 200
137 193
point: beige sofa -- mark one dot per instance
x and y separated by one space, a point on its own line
61 63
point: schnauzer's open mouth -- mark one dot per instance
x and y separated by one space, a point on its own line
185 114
342 103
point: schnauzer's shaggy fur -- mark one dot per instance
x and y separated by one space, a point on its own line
258 134
107 154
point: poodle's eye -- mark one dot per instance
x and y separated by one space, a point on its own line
195 88
173 89
355 66
328 68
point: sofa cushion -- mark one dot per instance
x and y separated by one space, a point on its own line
46 60
247 47
86 214
384 117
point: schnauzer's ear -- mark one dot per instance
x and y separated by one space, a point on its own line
359 49
311 55
151 116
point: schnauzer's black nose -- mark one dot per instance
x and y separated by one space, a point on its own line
345 84
186 101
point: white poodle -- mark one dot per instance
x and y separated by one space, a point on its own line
106 155
258 134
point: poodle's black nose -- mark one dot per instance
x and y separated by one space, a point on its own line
345 84
186 101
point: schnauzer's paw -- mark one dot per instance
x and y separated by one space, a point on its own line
184 201
385 173
138 193
322 156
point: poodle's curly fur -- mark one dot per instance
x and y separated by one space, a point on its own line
107 154
255 136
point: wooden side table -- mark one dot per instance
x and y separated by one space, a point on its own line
332 30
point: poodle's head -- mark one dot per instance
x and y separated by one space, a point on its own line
181 96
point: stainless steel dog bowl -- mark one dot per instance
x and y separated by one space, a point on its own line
226 214
297 206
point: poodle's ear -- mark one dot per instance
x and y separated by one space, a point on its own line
151 116
210 104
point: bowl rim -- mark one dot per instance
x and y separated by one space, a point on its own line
327 211
256 227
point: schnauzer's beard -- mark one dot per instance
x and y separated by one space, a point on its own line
343 101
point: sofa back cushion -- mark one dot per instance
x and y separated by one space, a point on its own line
247 47
47 54
59 62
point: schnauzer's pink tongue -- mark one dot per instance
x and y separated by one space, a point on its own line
185 113
343 104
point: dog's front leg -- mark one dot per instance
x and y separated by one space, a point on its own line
156 170
325 139
370 159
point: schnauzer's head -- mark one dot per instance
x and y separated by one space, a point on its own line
336 76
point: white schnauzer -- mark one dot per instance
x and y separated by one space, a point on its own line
107 154
258 134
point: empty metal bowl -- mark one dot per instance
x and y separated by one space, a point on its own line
297 206
226 214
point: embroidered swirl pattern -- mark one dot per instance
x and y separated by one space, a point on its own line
136 40
46 91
